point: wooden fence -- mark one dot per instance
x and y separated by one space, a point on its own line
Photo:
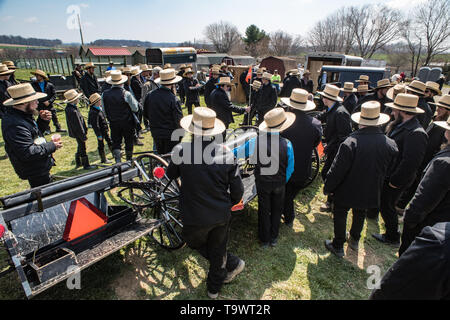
54 66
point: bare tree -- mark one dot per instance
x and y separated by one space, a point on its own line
432 21
414 44
223 36
280 43
373 26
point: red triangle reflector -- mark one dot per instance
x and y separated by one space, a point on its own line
83 218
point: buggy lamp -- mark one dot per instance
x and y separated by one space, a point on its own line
159 173
2 231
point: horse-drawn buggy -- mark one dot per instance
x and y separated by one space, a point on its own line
55 231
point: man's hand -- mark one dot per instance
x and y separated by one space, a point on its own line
46 103
247 110
45 115
58 144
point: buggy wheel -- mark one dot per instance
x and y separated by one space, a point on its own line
315 167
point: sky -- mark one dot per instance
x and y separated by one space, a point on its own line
164 20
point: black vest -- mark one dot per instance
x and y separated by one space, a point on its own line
116 108
279 160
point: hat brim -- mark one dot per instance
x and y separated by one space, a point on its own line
422 93
5 73
348 91
437 91
383 119
390 94
78 96
110 81
308 106
38 74
437 104
359 81
413 110
85 68
187 124
442 124
324 94
290 118
99 99
176 80
36 96
384 87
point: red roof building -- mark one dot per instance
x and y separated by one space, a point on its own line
109 51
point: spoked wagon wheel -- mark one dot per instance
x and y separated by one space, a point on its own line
315 166
157 197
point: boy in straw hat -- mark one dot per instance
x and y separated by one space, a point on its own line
29 152
412 141
163 110
306 82
305 135
77 128
89 83
431 203
290 82
357 175
208 193
4 85
12 77
268 98
337 130
431 91
42 85
211 85
350 99
191 90
379 95
97 119
119 105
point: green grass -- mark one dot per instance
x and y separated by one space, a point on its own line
298 268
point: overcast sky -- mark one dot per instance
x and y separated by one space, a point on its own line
164 20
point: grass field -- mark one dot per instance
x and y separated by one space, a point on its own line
298 268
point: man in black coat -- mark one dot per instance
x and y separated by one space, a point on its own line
89 84
268 99
163 110
210 86
338 128
119 107
350 99
306 82
422 272
77 128
290 83
431 203
246 85
4 85
29 152
221 104
191 90
357 175
432 91
379 95
42 85
305 135
208 192
254 100
418 88
412 141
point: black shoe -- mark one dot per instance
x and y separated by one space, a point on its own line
232 274
138 143
337 252
326 207
86 165
77 161
289 224
60 130
352 243
264 245
383 239
47 132
273 243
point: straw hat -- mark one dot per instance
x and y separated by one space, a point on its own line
395 90
299 100
405 102
348 87
116 78
167 66
417 86
306 72
144 67
135 71
203 122
126 70
433 86
89 65
94 98
4 71
256 84
443 124
71 95
10 65
363 88
363 78
215 71
293 72
331 92
267 76
168 77
182 67
384 83
224 81
277 120
186 71
443 102
260 71
107 73
370 115
22 93
40 73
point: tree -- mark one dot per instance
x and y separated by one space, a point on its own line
373 27
280 43
414 44
253 37
432 22
223 36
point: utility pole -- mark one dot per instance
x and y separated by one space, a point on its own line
81 31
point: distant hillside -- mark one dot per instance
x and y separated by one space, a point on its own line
131 43
18 40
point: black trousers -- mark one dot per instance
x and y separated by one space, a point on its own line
122 131
340 224
270 207
211 242
389 198
101 143
326 167
41 180
164 146
292 190
189 105
408 236
408 193
81 150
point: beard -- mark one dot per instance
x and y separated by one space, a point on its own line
229 95
30 110
394 123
